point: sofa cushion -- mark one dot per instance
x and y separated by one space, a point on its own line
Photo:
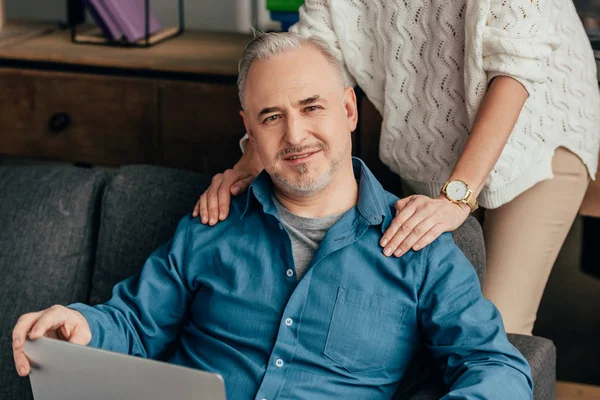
49 219
141 207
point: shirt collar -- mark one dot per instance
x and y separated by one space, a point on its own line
372 205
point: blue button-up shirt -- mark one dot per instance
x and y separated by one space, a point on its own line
226 299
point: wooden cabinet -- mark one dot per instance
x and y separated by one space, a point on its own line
200 125
78 117
174 104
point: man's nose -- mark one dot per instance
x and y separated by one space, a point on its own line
295 131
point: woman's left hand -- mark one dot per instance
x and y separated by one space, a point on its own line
419 221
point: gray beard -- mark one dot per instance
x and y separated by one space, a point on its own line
313 186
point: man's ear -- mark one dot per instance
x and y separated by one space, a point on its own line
351 107
247 126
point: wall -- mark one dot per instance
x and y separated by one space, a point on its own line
214 15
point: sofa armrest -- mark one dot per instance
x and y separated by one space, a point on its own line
539 352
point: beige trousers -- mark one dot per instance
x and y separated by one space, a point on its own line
524 236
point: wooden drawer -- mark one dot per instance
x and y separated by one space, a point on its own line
77 117
200 126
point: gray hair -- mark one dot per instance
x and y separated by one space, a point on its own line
266 45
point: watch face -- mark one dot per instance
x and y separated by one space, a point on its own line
457 190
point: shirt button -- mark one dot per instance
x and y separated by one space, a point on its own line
280 227
288 322
279 363
289 273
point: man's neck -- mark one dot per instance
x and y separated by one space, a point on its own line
339 196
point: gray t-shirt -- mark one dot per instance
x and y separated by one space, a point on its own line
306 234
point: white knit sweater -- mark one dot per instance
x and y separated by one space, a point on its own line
425 65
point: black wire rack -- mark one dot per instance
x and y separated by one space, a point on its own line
79 35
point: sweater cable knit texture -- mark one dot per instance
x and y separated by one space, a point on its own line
425 65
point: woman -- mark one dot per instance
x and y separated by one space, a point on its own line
495 99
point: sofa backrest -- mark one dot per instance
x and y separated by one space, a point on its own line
141 207
49 219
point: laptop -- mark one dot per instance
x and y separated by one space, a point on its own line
66 371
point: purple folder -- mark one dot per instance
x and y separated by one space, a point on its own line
103 20
130 16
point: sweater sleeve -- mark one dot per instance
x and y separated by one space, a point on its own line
315 20
518 39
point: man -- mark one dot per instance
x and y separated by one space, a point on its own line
291 297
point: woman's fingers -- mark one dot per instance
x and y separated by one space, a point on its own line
231 179
433 233
393 235
407 225
419 230
242 184
420 221
212 199
397 221
213 206
415 218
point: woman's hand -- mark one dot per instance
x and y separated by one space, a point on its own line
419 221
213 205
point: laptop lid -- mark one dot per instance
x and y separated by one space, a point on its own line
66 371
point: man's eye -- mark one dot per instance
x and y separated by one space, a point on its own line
271 118
312 108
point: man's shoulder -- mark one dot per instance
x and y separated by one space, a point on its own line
239 216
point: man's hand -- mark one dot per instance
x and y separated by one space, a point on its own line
57 322
419 221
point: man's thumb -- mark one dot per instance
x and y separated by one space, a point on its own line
80 336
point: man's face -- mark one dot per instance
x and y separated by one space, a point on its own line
299 117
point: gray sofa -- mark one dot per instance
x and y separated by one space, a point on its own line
69 234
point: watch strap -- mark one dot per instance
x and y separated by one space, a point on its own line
471 201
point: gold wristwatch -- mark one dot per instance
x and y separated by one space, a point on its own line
459 192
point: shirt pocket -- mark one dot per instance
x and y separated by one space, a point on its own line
364 331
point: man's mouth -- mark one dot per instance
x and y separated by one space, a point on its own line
300 156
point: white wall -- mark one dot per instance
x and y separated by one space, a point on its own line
214 15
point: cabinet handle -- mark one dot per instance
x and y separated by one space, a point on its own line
59 121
